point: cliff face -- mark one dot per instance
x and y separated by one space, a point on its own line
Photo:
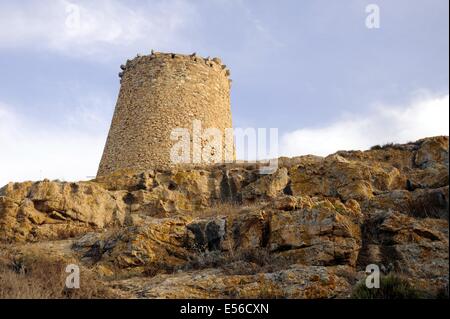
307 231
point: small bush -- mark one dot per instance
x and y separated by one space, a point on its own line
391 287
387 146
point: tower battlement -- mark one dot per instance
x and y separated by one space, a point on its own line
155 58
160 92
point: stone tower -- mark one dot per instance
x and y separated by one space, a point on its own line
160 92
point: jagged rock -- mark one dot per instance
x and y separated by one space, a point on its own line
270 185
317 236
52 210
420 203
243 231
432 151
363 175
416 248
336 176
153 240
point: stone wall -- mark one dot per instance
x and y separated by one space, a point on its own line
160 92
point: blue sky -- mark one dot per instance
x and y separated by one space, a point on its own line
312 69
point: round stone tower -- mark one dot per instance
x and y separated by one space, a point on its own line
160 92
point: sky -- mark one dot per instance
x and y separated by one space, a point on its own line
312 69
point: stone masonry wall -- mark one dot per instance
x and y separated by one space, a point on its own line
160 92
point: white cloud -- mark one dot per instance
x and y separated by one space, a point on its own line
31 152
100 28
423 117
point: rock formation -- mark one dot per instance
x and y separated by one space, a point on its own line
306 231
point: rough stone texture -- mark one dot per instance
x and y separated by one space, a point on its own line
160 92
295 282
153 240
268 186
306 231
51 210
316 236
417 248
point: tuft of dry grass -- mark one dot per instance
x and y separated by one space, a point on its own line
45 279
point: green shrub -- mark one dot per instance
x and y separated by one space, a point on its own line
391 145
376 147
391 287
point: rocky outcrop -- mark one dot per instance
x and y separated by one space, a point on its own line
306 231
295 282
417 248
52 210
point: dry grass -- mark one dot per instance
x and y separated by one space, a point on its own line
241 262
428 205
45 279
